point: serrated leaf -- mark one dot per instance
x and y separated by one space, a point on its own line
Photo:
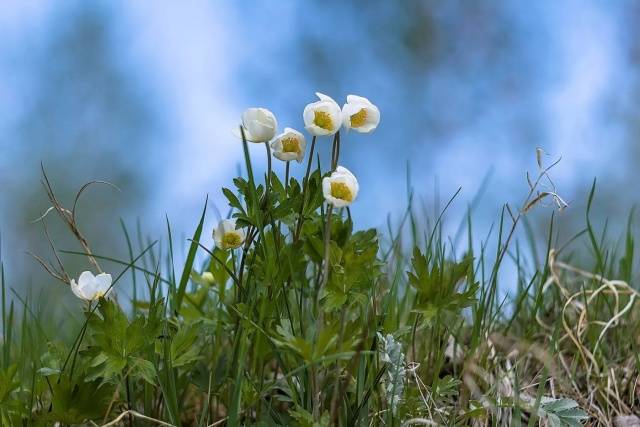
183 348
234 202
144 369
561 412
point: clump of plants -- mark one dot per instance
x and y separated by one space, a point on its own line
296 317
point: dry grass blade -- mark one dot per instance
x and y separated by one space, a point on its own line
68 217
535 200
577 321
135 414
83 188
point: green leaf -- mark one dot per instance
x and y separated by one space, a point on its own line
76 402
144 369
191 256
437 280
234 202
183 346
334 299
562 412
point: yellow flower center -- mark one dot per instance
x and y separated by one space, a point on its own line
231 240
322 120
359 119
339 190
290 145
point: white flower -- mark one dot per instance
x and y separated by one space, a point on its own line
289 145
227 236
259 125
340 188
360 114
90 287
322 117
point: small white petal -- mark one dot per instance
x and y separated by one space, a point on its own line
258 124
76 290
328 106
355 99
285 157
324 97
355 104
344 176
228 224
278 147
224 228
90 287
103 283
86 278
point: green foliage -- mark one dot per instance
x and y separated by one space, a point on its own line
306 419
73 402
119 346
9 394
436 282
562 412
313 322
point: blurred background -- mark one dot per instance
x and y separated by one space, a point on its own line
145 94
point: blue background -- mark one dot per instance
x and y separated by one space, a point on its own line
145 94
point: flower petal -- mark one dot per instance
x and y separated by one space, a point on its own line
103 283
324 97
86 278
355 99
77 290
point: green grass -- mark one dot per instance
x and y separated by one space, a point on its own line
314 322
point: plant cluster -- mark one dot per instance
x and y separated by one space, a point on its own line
295 317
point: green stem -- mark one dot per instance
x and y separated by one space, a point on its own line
77 346
236 391
335 151
126 380
268 180
247 158
327 248
305 184
286 177
335 401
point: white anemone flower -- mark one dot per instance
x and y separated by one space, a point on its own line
340 188
289 145
227 236
90 287
322 117
259 125
360 114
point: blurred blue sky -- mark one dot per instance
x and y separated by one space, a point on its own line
145 94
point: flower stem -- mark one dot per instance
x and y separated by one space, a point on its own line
77 348
305 184
327 247
129 406
335 401
335 151
286 187
268 180
286 176
247 159
306 175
